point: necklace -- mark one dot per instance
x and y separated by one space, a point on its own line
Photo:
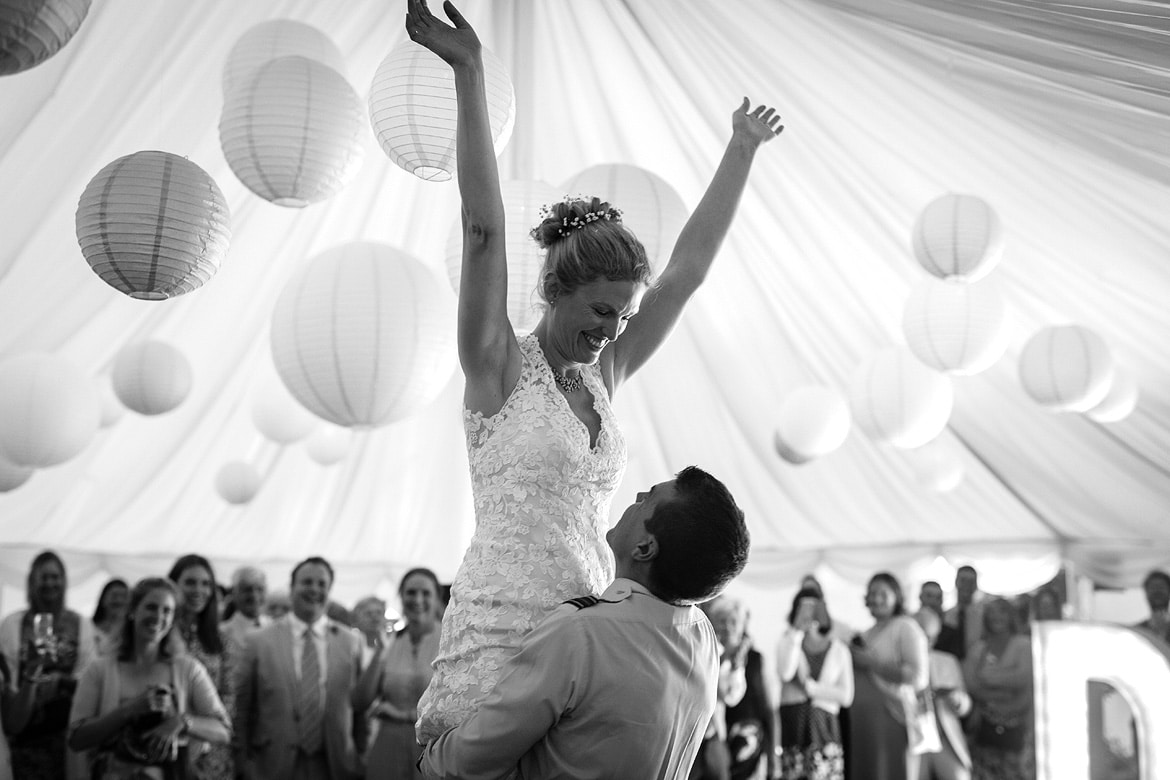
567 383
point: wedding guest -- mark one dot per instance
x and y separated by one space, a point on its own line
109 616
965 619
1046 605
545 451
1157 588
396 678
39 748
369 618
197 623
950 703
249 593
930 596
135 710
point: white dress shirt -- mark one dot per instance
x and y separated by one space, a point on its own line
298 627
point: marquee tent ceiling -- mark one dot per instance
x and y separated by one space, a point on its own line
1057 114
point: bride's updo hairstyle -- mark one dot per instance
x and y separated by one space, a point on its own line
585 240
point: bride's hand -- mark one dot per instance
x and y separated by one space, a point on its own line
759 125
458 45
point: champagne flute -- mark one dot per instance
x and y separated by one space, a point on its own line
43 641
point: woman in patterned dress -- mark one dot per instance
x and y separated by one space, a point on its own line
197 621
544 448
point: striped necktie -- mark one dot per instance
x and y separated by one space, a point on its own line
309 696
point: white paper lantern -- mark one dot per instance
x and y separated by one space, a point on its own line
273 39
937 465
49 410
279 417
955 328
112 409
237 482
813 421
522 203
1119 402
958 237
329 444
151 377
32 31
13 476
364 335
1066 368
153 225
650 207
292 132
897 400
413 112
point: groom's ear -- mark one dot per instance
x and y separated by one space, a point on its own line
646 549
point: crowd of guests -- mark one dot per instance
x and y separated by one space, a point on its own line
183 677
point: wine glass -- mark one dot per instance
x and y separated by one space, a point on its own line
43 638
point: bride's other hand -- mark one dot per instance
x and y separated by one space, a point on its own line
456 45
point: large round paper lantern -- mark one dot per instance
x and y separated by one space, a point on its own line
328 444
364 335
955 328
153 225
650 207
273 39
49 410
32 31
522 203
412 109
813 421
280 418
1119 402
151 377
237 482
937 465
897 400
292 132
958 237
1066 368
13 476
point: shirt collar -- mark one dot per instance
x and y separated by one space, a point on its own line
621 589
298 626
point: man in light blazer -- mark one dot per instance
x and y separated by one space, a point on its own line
293 717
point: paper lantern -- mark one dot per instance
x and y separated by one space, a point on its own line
813 421
897 400
412 109
273 39
650 206
279 417
955 328
111 408
522 203
328 444
153 225
237 482
937 465
32 31
292 132
1119 402
958 237
151 377
49 410
1066 368
13 476
364 335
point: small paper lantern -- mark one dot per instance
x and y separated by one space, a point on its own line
328 445
279 417
522 203
897 400
151 377
1119 402
1066 368
32 31
13 476
292 132
49 410
153 225
413 112
273 39
813 421
955 328
958 237
650 207
237 482
937 465
364 335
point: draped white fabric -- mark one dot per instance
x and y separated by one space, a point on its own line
1055 114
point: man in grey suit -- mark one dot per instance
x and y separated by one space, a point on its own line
293 717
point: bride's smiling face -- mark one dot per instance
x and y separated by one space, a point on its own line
582 323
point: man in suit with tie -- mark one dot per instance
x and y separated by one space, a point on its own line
293 716
965 619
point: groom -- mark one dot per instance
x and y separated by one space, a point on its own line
621 685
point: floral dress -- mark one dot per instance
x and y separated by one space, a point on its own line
213 762
542 496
